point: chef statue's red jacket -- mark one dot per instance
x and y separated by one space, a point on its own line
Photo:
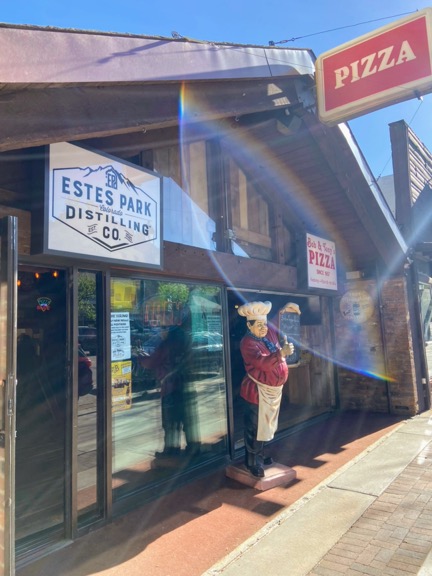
261 365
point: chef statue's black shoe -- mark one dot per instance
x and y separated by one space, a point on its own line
256 470
265 460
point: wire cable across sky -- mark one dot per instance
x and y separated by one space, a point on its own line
272 43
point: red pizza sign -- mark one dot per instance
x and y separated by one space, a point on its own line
390 65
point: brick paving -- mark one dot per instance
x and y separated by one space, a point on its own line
394 535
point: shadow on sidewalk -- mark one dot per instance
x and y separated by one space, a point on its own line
315 445
209 517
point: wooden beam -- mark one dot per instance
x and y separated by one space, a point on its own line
35 117
402 176
339 156
24 227
239 272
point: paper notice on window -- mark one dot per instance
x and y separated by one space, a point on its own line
120 336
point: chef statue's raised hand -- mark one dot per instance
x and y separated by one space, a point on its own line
266 369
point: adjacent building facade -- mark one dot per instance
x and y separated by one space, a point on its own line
149 187
412 174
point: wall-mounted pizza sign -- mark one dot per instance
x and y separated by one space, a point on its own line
357 306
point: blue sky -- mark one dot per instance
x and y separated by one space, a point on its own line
317 24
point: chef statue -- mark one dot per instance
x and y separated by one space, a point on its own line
261 388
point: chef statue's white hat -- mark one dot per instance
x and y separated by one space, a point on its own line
255 310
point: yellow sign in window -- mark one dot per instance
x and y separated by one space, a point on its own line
121 381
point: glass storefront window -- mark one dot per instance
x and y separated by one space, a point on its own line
89 432
41 408
250 215
168 380
186 211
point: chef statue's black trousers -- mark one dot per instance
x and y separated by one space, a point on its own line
253 448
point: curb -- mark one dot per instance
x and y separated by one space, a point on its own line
217 568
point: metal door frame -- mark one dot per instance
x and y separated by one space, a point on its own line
8 381
103 513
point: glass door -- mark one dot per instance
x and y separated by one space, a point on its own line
41 415
90 445
8 305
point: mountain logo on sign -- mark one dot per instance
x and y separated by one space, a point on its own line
105 206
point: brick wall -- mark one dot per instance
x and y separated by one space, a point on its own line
374 352
399 346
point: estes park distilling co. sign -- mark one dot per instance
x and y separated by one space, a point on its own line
101 207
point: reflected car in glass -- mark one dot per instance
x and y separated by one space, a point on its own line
207 350
87 338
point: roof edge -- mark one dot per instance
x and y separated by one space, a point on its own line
84 56
179 38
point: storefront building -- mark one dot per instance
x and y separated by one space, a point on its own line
149 187
412 175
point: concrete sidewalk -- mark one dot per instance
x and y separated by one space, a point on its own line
373 516
189 530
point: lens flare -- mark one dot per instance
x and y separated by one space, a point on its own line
261 161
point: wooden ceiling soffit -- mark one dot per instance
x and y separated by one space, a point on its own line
341 160
128 144
37 117
220 267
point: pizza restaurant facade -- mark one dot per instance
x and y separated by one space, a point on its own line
129 238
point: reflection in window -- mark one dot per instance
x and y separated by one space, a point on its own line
186 217
250 215
183 219
168 381
41 406
88 498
